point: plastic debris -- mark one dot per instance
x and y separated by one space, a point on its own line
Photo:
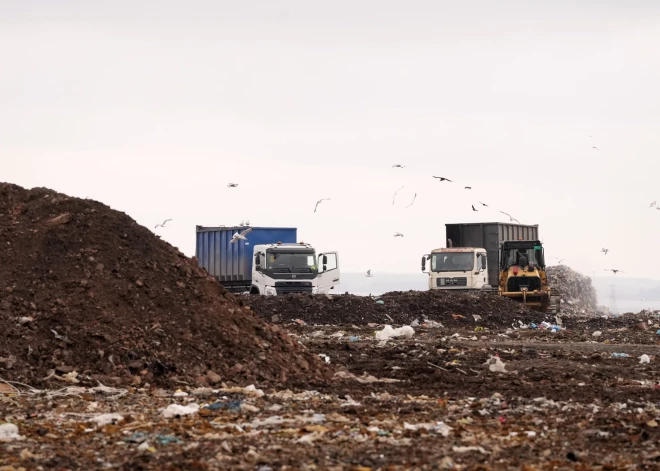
326 358
415 323
440 428
598 333
179 393
106 419
167 440
353 338
176 410
380 301
645 359
389 333
433 325
577 294
9 433
620 355
233 406
477 317
468 449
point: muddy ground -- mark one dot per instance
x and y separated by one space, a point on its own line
426 402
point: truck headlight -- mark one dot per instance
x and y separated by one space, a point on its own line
271 291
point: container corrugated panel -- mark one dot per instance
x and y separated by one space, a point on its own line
231 264
490 235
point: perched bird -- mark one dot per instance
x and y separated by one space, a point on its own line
369 273
398 234
319 202
473 208
241 224
413 201
163 224
232 185
511 218
614 271
241 235
605 251
483 204
247 223
394 196
468 187
443 179
653 204
594 147
398 166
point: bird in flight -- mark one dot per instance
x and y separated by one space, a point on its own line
511 218
614 270
483 204
394 196
474 209
319 202
443 179
398 166
605 251
163 224
398 234
653 204
594 147
232 185
413 201
240 235
369 273
468 187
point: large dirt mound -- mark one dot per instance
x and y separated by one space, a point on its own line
578 296
452 309
85 290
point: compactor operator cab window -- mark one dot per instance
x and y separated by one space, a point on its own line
522 256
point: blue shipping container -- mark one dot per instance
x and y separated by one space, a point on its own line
231 264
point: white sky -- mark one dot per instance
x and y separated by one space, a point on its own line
153 107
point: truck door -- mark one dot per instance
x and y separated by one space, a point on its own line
328 271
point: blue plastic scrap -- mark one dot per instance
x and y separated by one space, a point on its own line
232 406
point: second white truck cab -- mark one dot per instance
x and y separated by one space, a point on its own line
293 268
460 269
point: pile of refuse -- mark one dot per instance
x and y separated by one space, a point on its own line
87 295
450 309
578 296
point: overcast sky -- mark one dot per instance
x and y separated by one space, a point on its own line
153 107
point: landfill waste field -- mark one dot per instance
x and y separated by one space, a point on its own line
118 352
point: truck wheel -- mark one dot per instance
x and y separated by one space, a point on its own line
254 290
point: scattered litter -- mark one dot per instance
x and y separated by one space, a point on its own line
9 433
598 333
180 393
326 358
300 322
620 355
468 449
645 359
177 410
414 323
440 428
433 325
353 338
233 406
476 317
380 301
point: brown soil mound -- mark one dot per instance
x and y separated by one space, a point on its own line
452 309
85 289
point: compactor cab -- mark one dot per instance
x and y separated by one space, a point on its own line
522 274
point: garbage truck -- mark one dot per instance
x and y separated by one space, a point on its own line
478 258
268 261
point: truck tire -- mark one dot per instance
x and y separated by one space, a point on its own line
254 290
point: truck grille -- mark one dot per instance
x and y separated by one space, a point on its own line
517 283
444 282
287 287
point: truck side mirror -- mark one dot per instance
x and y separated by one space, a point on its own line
325 261
257 260
423 263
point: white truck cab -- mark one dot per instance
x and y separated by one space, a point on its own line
460 269
293 268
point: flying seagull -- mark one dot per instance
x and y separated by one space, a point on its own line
614 271
511 218
605 251
483 204
468 187
398 166
594 147
369 273
398 234
413 201
443 179
653 204
232 185
319 202
394 196
163 224
241 235
474 209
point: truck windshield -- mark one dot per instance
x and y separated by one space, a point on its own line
291 262
452 261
